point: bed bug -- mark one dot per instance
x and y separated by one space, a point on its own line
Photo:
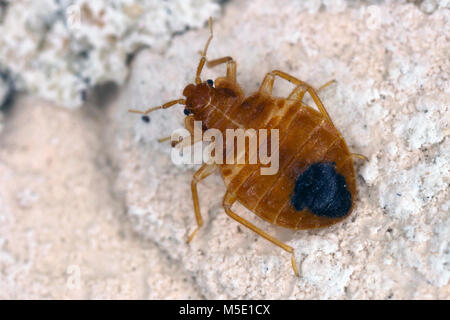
315 185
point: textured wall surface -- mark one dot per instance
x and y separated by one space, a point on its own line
58 50
91 205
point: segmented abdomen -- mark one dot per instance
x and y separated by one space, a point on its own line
305 137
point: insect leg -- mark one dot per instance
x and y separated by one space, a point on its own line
267 84
298 93
173 143
189 124
329 83
308 87
199 175
161 140
216 62
359 156
231 70
164 106
231 66
228 201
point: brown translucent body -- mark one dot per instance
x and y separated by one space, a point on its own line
305 137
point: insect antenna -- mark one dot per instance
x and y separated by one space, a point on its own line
164 106
205 50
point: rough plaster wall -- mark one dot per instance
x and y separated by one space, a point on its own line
62 232
58 50
94 190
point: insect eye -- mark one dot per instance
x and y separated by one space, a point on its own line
146 119
210 82
187 112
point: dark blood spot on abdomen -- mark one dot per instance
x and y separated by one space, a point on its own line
323 191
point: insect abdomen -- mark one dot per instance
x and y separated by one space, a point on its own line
281 116
308 138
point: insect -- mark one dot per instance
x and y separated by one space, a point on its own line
315 185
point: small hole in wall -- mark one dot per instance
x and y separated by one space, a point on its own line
102 95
